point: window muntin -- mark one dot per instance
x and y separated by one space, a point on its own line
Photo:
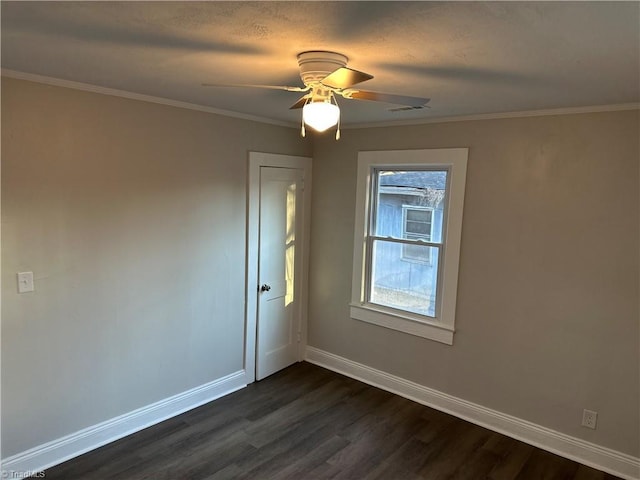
402 271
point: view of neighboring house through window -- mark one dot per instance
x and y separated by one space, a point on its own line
407 240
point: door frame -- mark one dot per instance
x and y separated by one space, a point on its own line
256 161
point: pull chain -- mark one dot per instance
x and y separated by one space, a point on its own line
335 100
303 132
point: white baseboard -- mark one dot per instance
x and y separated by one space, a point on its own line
75 444
601 458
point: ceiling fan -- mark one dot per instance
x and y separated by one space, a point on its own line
326 76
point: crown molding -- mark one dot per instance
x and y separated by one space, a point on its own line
501 115
87 87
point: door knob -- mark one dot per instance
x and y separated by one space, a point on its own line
265 288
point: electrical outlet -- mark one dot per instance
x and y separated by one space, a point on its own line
589 418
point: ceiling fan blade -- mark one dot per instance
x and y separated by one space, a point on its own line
345 77
271 87
389 98
299 104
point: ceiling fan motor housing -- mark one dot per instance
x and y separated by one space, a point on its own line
317 64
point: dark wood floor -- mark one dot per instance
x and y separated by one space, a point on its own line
308 423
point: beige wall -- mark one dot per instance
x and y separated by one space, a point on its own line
132 217
547 312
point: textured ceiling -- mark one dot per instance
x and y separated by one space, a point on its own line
468 57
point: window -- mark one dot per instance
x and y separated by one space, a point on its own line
417 224
407 240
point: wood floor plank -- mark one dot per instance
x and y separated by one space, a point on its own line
308 463
373 440
308 423
306 434
405 462
455 451
588 473
480 462
547 466
279 422
512 462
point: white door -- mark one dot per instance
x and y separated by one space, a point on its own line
276 317
279 269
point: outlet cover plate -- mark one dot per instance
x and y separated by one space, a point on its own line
589 418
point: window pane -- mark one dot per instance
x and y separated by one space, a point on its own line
405 285
419 228
410 202
415 253
419 215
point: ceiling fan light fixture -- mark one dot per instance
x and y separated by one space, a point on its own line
320 115
326 76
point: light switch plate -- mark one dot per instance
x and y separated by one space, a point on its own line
25 282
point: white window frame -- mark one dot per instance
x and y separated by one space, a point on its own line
442 327
415 236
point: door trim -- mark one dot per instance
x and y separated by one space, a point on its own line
256 161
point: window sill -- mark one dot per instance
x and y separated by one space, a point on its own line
402 323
